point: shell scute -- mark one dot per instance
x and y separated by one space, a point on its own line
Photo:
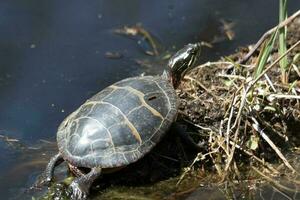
120 124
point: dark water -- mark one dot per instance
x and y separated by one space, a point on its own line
52 59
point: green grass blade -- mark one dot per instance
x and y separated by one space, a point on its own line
265 53
283 63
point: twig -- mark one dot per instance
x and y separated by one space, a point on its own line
217 134
199 157
267 34
198 126
256 126
284 96
264 163
208 64
231 76
242 104
232 106
270 82
229 160
272 181
252 83
202 86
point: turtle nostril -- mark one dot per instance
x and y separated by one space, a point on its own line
152 98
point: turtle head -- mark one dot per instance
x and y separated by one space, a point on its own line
183 61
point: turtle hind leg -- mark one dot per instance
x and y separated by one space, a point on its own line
80 186
47 176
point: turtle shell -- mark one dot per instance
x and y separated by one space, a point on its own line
120 124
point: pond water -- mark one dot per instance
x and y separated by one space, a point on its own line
52 58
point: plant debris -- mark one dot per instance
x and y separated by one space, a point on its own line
227 28
113 55
249 118
145 40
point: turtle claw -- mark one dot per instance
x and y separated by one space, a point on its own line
42 180
78 192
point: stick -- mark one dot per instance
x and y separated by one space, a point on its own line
267 34
252 83
270 142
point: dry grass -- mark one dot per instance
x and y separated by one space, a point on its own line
249 120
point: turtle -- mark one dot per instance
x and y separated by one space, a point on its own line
120 124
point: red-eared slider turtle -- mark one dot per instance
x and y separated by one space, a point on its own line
120 124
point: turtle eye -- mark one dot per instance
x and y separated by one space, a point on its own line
152 98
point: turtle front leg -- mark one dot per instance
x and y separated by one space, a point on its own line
47 175
80 187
